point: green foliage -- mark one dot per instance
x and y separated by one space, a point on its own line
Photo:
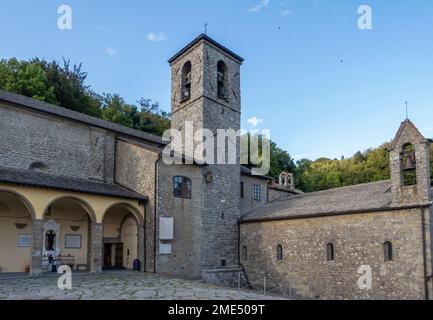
69 86
26 78
363 167
65 85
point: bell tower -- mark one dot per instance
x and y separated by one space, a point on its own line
206 93
410 166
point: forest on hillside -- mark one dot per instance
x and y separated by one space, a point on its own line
64 84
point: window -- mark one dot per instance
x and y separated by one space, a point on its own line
279 252
186 81
222 80
242 190
245 253
330 252
408 161
223 263
182 187
257 192
387 251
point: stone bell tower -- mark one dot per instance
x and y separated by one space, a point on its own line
206 92
410 166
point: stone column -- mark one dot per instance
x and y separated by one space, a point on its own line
96 247
36 247
141 246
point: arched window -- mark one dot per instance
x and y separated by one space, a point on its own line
387 251
408 162
186 81
279 252
182 187
330 252
245 253
222 80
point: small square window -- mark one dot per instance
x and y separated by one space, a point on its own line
182 187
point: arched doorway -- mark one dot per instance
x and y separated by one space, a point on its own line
121 237
67 235
16 216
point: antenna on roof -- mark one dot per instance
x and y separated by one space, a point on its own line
205 28
407 112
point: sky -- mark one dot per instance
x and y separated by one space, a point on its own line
323 86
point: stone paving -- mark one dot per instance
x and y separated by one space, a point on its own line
120 286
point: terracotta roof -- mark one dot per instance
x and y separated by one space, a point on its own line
359 198
48 181
211 41
76 116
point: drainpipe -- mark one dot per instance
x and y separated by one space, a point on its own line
155 200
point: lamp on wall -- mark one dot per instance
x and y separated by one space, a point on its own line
208 177
75 228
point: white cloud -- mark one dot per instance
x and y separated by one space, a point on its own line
254 121
261 5
151 36
111 51
286 12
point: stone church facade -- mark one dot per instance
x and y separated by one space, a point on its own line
94 195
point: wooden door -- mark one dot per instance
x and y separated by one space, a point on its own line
119 255
107 254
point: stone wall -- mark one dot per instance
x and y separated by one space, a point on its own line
247 202
358 240
274 194
185 259
135 169
54 145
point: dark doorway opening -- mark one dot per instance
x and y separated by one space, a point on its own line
113 256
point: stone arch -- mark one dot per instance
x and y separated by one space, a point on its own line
132 210
186 81
222 79
17 217
408 164
122 236
87 207
25 201
282 179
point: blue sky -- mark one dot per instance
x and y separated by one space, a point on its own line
323 86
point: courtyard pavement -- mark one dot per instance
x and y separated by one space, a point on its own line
120 286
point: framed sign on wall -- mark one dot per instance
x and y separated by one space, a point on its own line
23 240
73 241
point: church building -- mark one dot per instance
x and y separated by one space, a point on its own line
80 191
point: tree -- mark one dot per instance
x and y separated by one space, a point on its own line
68 82
27 79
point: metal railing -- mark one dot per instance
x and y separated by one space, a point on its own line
266 286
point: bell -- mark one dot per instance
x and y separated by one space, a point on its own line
409 161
